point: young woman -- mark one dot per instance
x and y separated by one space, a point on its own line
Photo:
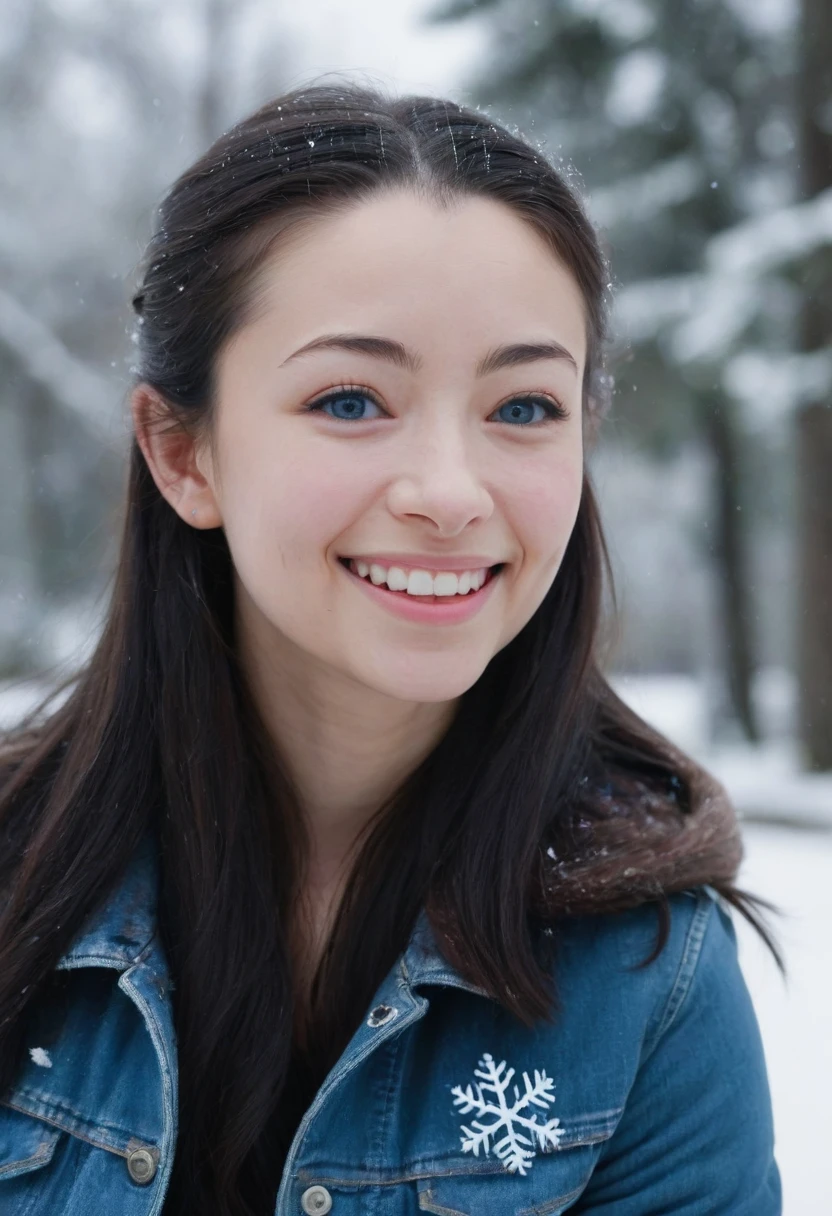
341 879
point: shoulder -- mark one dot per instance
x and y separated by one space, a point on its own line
595 950
687 1026
694 988
702 963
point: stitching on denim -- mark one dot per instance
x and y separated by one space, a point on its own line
170 1084
74 1126
418 1173
426 1204
75 962
552 1205
392 1046
465 1171
591 1138
687 967
443 976
347 1065
59 1107
596 1116
44 1153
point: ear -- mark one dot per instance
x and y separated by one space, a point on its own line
183 474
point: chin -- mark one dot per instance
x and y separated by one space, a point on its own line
430 679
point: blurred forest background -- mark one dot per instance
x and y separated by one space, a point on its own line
699 134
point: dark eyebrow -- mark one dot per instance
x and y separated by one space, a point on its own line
393 352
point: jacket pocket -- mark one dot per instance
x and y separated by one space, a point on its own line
552 1183
51 1164
26 1144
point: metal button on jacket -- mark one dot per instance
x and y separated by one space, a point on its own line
381 1015
316 1200
140 1165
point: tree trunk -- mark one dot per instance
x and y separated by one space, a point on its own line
814 420
730 555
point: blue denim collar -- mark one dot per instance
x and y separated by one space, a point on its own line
121 930
118 935
424 963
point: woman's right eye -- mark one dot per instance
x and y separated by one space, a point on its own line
348 405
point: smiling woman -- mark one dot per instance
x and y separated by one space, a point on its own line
343 798
444 444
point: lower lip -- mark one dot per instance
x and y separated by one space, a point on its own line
441 610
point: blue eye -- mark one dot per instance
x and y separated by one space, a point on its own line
352 403
521 410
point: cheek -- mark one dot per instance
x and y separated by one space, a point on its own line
283 507
543 504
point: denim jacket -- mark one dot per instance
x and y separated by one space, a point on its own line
647 1094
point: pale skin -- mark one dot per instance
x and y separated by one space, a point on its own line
355 697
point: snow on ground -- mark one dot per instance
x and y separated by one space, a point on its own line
793 869
766 782
788 838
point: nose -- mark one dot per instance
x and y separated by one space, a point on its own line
439 480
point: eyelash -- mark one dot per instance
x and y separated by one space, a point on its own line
554 410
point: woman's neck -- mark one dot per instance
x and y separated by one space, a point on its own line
346 753
347 748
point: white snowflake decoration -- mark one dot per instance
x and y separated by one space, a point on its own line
515 1149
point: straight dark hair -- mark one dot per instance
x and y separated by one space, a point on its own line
547 797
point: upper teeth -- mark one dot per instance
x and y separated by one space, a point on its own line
421 582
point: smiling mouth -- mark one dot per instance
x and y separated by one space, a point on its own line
491 574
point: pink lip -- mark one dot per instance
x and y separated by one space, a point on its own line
423 611
427 561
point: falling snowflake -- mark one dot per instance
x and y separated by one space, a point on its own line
515 1149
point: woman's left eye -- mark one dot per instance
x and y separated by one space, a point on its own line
521 410
352 400
350 405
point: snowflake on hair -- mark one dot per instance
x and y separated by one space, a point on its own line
523 1135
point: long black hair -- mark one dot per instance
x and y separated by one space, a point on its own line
158 730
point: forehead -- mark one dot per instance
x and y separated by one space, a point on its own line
470 273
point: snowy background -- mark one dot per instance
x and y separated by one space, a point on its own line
678 123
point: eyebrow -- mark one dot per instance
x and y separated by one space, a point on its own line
512 355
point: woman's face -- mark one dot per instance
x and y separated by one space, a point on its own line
371 410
